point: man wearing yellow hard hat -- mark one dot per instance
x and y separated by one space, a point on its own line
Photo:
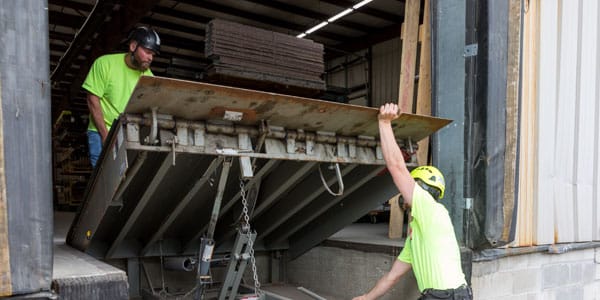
431 249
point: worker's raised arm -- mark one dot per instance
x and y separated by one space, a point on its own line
392 154
93 103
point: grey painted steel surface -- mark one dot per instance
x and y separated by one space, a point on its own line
163 206
448 94
25 101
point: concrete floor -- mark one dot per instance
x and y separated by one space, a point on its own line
69 262
366 233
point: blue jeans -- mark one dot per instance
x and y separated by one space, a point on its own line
95 146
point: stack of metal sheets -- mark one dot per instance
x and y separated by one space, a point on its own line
252 57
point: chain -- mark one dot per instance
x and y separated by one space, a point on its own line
257 290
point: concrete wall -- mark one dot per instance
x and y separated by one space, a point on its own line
346 273
571 275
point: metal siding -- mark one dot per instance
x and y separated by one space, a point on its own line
564 193
567 204
547 99
352 76
26 141
596 141
584 192
386 72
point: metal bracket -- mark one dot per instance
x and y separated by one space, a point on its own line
470 50
240 256
152 138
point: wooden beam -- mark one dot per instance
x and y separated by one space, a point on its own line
5 274
396 225
528 137
424 85
409 56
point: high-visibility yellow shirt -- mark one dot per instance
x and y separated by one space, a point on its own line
431 247
113 82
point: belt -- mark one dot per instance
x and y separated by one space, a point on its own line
461 292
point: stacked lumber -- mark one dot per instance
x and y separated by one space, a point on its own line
260 59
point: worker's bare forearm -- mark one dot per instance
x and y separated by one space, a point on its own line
97 116
391 151
385 283
394 161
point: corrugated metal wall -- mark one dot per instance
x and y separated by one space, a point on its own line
350 71
353 75
386 72
563 83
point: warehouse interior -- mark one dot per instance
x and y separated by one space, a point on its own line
80 31
345 36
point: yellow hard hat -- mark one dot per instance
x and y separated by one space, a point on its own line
432 177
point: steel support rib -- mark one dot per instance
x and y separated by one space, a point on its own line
158 177
298 201
300 221
210 232
181 206
269 199
139 161
261 173
279 189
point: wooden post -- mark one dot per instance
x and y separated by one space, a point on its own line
527 163
396 219
5 274
409 36
409 55
424 86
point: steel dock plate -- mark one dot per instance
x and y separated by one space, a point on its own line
159 197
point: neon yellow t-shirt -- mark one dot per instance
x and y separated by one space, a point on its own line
431 248
113 82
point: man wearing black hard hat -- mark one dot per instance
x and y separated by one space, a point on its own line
111 81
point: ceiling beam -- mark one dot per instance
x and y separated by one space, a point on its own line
298 28
290 8
72 4
363 42
180 14
95 19
367 10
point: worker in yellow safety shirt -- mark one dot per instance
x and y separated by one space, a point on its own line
110 82
431 249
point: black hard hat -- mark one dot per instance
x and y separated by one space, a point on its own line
146 37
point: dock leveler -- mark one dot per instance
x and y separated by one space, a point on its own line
194 173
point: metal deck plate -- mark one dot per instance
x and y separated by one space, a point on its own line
201 101
140 203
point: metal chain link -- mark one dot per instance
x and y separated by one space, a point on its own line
257 290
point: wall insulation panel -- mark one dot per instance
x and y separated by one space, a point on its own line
564 195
